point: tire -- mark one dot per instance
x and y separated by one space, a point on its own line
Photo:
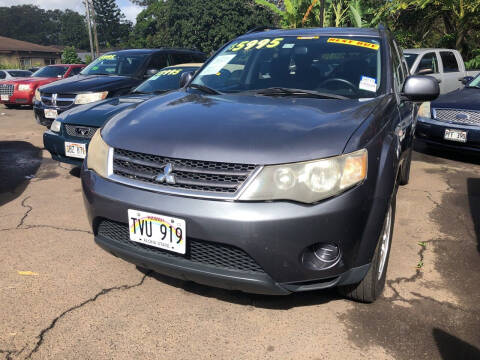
405 170
371 287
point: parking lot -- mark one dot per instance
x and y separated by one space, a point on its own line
61 296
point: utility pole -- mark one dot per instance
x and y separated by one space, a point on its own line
95 31
89 25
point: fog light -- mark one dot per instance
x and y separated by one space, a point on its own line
328 253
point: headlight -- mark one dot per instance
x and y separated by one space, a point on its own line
424 110
24 87
56 125
90 97
37 95
97 158
309 181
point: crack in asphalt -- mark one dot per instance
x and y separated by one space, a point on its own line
11 353
446 304
41 335
29 208
22 226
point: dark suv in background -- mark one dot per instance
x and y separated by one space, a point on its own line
274 170
113 74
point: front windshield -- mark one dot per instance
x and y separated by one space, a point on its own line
51 71
410 59
116 64
166 79
475 82
348 67
19 73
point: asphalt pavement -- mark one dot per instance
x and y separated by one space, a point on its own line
62 297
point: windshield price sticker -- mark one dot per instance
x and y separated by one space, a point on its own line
257 44
107 57
169 72
307 37
368 84
363 44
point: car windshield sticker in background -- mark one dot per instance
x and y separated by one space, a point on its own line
368 84
256 44
363 44
168 72
107 57
307 37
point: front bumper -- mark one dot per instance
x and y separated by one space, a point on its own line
39 111
276 235
432 132
55 144
20 98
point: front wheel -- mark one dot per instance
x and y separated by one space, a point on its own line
371 287
405 169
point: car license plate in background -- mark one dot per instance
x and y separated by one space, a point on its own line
51 113
455 135
161 231
4 97
75 150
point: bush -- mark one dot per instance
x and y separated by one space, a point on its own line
9 66
70 56
474 63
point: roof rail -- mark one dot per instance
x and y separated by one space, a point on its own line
261 28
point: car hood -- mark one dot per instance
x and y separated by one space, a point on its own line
466 98
86 83
245 129
95 114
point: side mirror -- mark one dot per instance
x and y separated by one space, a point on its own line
424 72
465 80
150 72
185 78
420 88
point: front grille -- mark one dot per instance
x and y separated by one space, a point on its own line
61 100
467 117
193 175
6 89
79 131
198 251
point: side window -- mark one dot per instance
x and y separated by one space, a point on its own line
449 61
3 75
398 76
75 71
428 62
158 61
180 59
199 58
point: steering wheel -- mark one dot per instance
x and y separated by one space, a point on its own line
342 81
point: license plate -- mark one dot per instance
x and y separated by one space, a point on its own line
455 135
4 97
51 113
75 150
160 231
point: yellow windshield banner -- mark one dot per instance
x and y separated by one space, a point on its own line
363 44
108 57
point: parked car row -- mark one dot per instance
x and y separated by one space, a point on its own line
272 168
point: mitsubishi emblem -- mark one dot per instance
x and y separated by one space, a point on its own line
167 175
54 99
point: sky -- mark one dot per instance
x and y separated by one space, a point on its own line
130 10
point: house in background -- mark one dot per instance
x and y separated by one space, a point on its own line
25 54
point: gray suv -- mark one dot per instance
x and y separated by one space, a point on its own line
273 170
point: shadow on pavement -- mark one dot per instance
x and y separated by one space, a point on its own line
19 162
442 154
261 301
473 189
451 347
75 171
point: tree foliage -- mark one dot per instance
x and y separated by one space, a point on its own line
199 24
70 56
45 27
112 27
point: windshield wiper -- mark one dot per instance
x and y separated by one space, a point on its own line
283 91
205 89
